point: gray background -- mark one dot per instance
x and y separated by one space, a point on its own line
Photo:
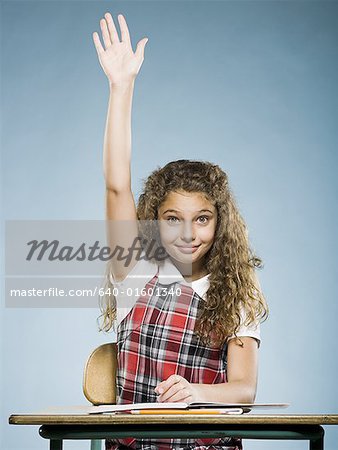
251 86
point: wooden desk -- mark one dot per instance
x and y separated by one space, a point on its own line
58 427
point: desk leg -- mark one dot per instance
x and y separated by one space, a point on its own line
95 444
318 442
55 444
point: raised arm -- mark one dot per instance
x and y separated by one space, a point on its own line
121 66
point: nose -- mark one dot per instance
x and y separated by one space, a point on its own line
187 232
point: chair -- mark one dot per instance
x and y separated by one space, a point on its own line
99 379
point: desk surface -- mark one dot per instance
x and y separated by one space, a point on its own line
72 416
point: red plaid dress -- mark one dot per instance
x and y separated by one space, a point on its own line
156 340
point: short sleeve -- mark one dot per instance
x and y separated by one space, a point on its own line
252 330
128 290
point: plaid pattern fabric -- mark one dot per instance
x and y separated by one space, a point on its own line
156 340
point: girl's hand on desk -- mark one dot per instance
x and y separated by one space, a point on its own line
119 62
177 389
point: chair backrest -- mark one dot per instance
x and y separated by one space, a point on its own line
99 378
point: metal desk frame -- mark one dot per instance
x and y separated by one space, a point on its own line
56 434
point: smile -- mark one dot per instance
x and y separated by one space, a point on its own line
187 248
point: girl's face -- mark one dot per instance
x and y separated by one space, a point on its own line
187 224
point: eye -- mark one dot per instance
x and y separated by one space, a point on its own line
205 219
172 219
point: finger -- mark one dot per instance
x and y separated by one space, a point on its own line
188 399
166 384
105 33
176 387
176 394
112 29
125 36
140 47
181 396
169 393
97 43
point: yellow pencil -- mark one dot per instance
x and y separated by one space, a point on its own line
185 411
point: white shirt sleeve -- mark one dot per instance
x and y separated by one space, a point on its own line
252 330
128 290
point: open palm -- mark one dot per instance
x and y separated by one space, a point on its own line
119 62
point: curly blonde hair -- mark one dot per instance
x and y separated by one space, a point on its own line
234 290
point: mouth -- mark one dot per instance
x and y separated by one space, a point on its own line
188 248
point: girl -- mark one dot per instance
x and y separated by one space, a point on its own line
188 323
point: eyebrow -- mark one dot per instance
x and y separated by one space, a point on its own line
175 211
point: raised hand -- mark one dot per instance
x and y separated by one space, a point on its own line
120 64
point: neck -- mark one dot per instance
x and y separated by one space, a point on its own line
191 272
